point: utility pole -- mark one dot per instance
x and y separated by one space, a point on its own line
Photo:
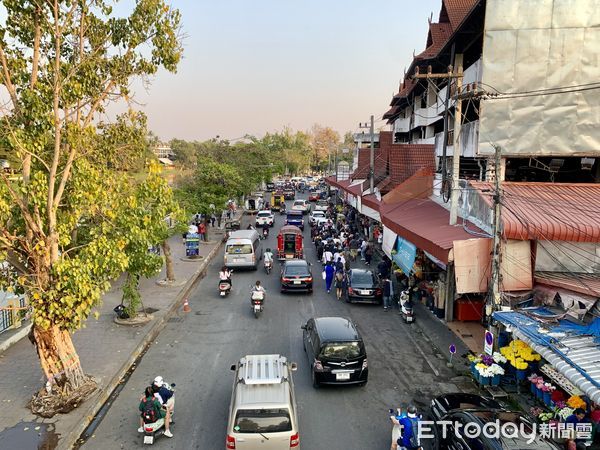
458 74
495 299
372 154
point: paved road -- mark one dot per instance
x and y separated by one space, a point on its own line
197 350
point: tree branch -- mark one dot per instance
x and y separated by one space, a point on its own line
7 78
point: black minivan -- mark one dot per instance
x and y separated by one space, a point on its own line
336 351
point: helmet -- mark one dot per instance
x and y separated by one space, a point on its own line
411 409
269 250
158 381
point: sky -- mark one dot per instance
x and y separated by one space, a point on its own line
257 66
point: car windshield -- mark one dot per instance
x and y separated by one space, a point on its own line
295 269
516 441
322 202
262 421
318 214
365 278
341 350
299 203
239 249
264 214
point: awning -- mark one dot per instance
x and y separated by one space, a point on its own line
573 349
389 241
426 224
369 206
166 161
584 283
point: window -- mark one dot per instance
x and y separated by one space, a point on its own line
239 249
262 421
342 350
363 278
296 270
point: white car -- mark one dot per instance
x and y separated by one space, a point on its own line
321 205
316 217
301 205
265 216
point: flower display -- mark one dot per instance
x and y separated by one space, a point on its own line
489 371
499 358
565 412
519 354
576 402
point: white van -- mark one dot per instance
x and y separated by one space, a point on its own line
243 249
263 411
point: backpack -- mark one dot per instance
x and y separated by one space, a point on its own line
414 437
149 413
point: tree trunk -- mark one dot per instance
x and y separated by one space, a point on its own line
168 261
58 358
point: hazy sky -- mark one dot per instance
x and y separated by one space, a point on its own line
252 66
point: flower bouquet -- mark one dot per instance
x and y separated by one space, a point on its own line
519 355
576 402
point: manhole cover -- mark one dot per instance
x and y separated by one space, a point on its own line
175 319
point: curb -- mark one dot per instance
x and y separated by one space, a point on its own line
69 441
6 344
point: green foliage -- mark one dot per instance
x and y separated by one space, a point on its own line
74 220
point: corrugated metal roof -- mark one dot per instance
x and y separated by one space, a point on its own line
426 224
584 283
574 353
548 211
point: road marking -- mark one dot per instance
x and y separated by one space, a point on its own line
437 374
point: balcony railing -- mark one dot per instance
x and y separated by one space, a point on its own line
469 140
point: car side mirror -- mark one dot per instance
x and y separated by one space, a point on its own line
233 367
293 366
303 327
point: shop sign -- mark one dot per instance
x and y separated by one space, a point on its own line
488 344
406 252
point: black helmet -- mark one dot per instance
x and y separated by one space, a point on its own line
411 409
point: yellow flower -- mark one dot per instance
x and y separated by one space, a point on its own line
576 402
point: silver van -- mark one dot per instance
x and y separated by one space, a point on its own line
262 413
243 249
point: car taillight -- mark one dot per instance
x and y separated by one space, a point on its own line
294 440
149 429
286 280
378 291
309 279
318 366
364 364
350 290
230 442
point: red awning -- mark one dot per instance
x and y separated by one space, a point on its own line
425 223
340 184
371 201
584 283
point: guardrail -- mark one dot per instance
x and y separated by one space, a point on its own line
7 316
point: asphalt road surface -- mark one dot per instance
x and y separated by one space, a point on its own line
196 350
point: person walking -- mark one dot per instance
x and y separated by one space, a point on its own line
202 231
340 283
329 274
368 254
327 256
363 248
213 219
387 292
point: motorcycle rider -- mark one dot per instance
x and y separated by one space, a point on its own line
408 426
258 288
160 413
265 230
164 394
268 256
225 276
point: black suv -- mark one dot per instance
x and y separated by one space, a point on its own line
336 352
363 286
296 276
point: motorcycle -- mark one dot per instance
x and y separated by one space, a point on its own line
406 307
155 429
224 288
257 298
265 233
268 266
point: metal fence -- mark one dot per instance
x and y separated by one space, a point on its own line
6 316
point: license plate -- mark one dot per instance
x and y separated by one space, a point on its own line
238 260
297 282
148 440
289 256
365 292
342 376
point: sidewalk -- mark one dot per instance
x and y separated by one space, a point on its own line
106 351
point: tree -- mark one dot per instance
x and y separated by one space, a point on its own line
61 63
324 141
186 153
